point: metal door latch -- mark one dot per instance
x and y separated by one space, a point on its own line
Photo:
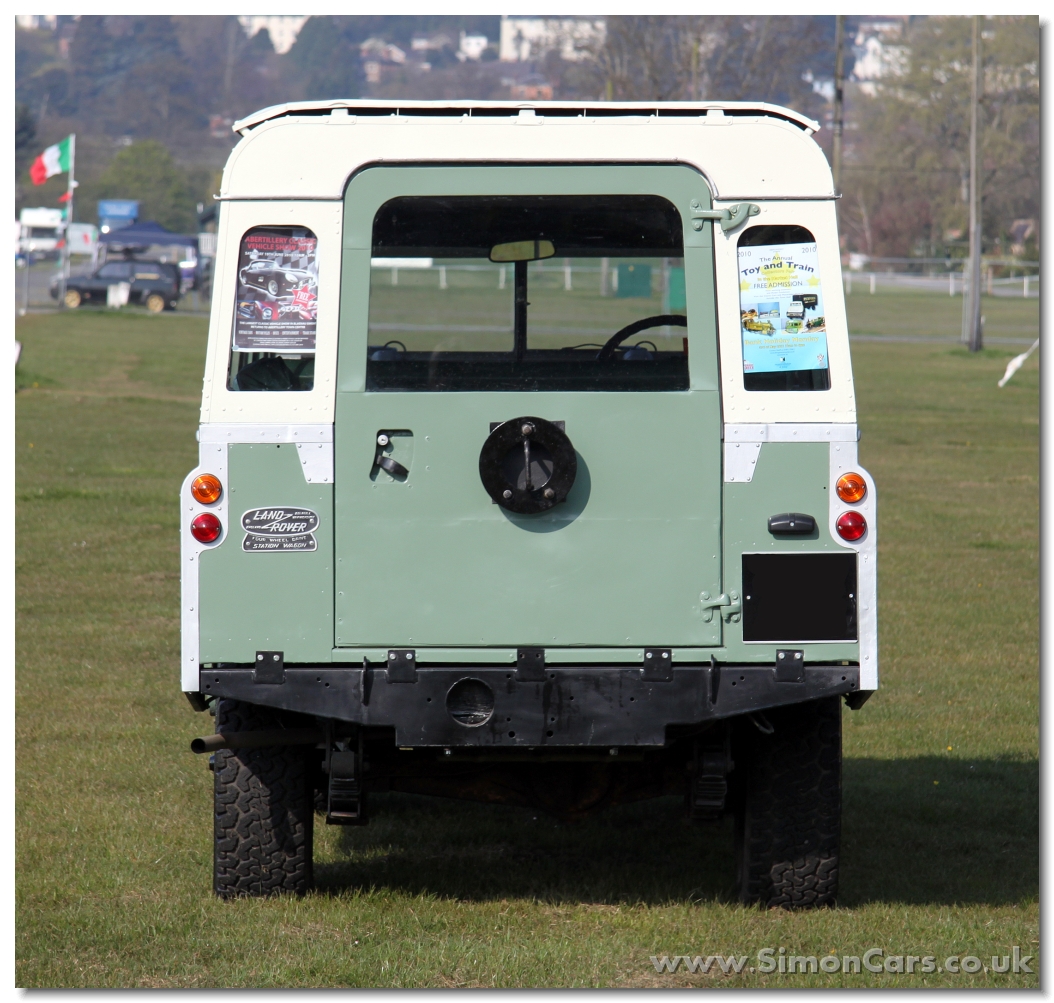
730 606
393 467
730 218
387 463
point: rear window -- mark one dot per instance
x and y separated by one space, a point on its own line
527 293
781 310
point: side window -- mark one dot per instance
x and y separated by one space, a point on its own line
781 310
273 342
115 270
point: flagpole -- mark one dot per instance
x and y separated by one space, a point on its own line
69 217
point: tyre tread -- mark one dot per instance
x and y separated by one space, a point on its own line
789 819
263 824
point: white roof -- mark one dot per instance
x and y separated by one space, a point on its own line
309 150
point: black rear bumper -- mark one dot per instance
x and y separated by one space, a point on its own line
577 706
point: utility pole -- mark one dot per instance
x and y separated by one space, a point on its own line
695 69
971 332
839 93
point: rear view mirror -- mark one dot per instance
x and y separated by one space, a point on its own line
523 250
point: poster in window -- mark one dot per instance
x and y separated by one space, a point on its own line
277 291
781 308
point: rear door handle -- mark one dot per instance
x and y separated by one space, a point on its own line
394 467
792 523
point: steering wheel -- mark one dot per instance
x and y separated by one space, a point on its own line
660 320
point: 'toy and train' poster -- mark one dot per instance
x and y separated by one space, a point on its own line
781 308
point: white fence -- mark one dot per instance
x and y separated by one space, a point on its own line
952 284
602 277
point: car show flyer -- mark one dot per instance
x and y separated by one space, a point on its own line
277 291
781 308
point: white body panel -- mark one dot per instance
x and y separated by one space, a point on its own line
838 404
742 156
222 405
293 168
212 459
843 460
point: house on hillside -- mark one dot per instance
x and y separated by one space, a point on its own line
283 28
471 46
1021 232
529 38
379 57
532 88
879 52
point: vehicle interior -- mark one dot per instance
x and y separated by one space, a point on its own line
555 292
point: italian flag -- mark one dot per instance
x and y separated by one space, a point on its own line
54 160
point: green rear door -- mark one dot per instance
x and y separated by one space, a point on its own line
435 351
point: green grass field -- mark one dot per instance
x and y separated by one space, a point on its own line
113 820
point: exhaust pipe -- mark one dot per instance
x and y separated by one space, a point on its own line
256 739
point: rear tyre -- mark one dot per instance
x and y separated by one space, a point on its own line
788 807
155 302
263 809
72 299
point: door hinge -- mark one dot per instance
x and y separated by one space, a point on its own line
730 218
730 606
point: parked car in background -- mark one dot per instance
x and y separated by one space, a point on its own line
153 284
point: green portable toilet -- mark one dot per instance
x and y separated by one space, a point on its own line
675 291
634 281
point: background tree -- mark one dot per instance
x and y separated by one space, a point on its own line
721 58
25 134
907 151
324 61
181 80
147 172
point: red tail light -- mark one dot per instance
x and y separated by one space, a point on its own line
851 526
205 528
